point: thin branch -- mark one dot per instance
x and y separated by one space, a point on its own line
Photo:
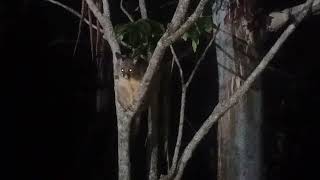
91 34
185 26
180 131
223 106
105 22
143 9
97 13
176 60
83 4
125 11
181 119
72 11
280 18
203 55
98 38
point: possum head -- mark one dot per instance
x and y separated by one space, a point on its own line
130 68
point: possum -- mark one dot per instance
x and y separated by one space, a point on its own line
130 77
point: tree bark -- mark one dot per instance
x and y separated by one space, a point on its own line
239 130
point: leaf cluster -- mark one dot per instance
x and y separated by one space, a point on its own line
201 26
140 36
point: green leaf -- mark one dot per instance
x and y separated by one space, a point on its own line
194 46
185 36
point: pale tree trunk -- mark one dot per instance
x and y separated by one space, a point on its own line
239 130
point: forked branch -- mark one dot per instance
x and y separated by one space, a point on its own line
224 106
184 88
165 41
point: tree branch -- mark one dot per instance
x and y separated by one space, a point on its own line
105 7
181 119
72 11
91 34
143 9
158 53
224 106
280 18
125 11
184 88
184 27
83 4
203 55
123 121
105 22
179 14
96 12
176 60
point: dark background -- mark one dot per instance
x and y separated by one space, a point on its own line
58 135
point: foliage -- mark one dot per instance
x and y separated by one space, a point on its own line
201 26
141 36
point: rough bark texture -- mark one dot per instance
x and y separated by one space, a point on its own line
239 130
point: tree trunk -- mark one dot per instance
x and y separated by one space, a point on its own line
123 146
239 130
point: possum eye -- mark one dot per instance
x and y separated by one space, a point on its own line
130 70
122 70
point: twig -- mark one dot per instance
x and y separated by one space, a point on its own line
83 4
91 34
176 60
203 55
224 106
125 11
98 38
97 13
72 11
